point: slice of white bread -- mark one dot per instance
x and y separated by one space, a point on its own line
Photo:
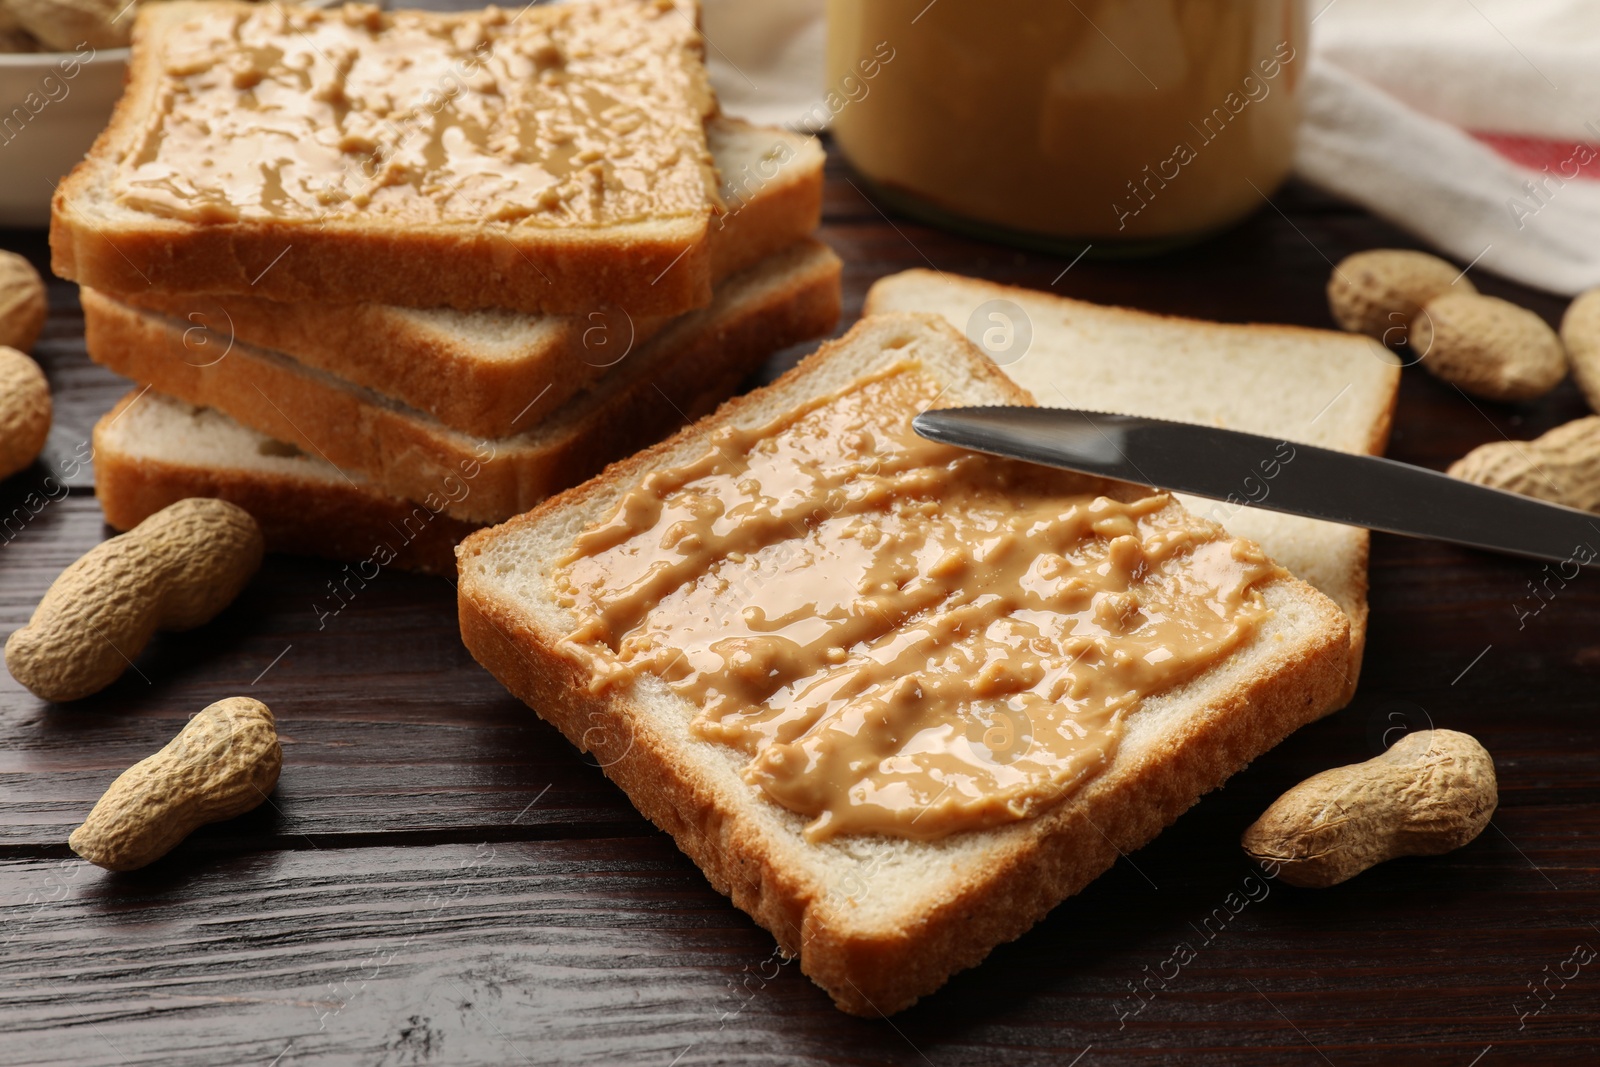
152 450
400 246
1315 387
692 365
878 921
492 373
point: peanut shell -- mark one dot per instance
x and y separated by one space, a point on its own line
1580 332
1562 467
1489 347
1379 292
22 302
1432 792
174 571
25 411
221 765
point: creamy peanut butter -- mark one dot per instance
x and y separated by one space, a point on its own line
572 115
903 637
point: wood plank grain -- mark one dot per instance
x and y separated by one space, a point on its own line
616 951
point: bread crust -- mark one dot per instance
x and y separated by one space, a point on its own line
657 266
867 970
410 456
341 521
419 360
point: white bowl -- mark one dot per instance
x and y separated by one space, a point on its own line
52 105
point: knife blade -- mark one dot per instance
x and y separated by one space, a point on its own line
1265 472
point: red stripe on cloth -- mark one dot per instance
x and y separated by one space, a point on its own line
1564 159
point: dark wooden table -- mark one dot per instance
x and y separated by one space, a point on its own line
441 878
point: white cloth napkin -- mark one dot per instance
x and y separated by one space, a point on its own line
1473 124
765 57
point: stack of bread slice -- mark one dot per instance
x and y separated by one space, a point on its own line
384 278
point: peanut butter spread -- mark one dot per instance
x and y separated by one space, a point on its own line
903 637
580 114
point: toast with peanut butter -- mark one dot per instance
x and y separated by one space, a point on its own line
685 370
493 373
549 160
1316 387
896 699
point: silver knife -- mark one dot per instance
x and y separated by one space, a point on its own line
1265 472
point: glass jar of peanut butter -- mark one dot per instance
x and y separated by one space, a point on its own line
1129 124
